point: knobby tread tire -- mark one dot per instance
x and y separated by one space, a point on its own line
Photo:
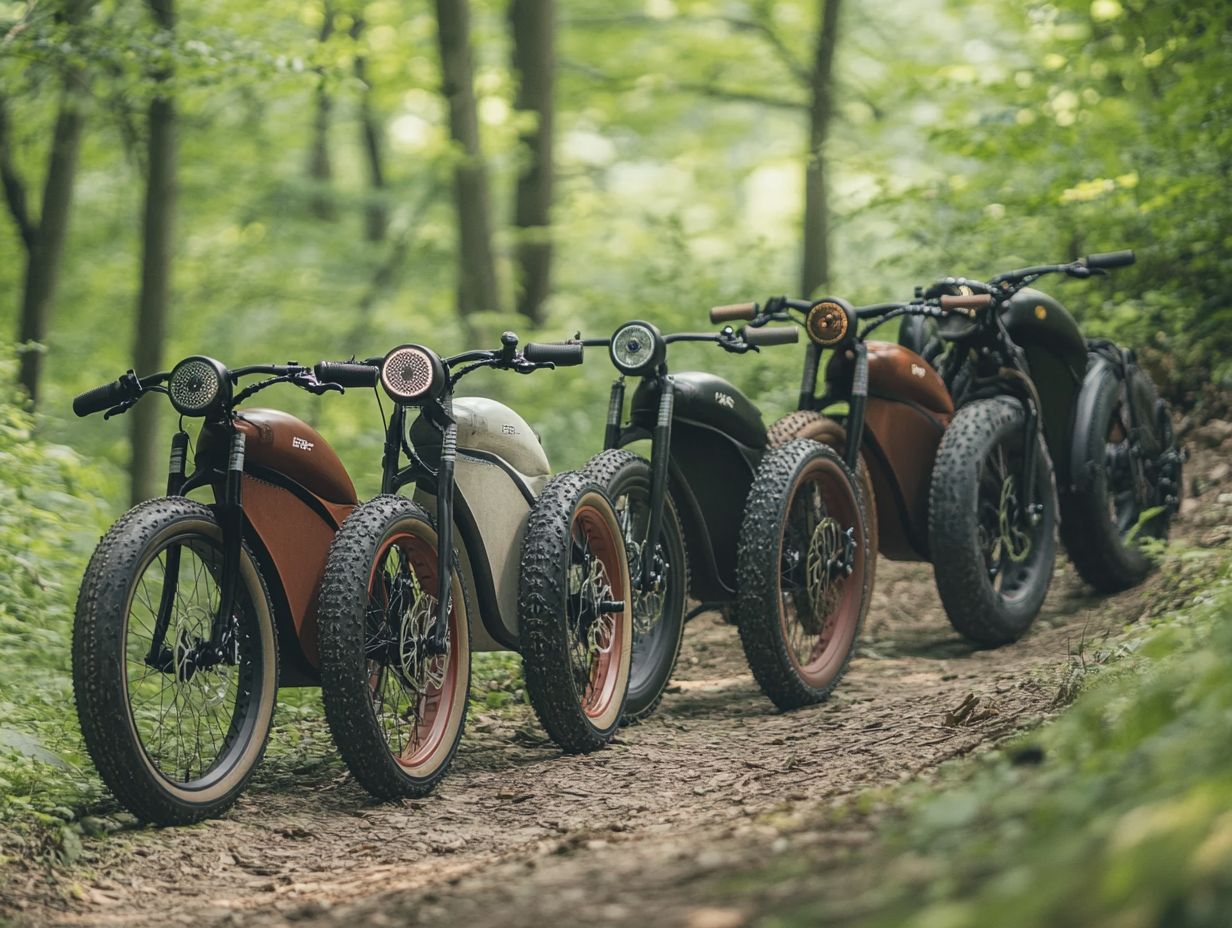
808 423
1095 545
98 653
345 689
758 598
543 591
974 608
608 469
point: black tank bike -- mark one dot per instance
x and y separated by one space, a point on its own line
188 612
540 557
1117 463
776 538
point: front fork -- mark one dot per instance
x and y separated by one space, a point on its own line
438 640
660 458
222 644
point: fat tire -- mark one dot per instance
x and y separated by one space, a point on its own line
543 633
977 611
1095 545
98 653
758 604
345 689
808 423
615 471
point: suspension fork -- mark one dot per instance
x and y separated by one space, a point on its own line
808 381
393 449
615 410
660 458
444 528
1024 390
231 516
858 403
171 573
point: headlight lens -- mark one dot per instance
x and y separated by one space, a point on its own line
197 385
829 323
635 347
409 372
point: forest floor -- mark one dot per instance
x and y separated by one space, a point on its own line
667 826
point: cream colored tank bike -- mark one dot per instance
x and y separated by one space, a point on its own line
536 565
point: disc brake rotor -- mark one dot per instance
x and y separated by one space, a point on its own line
824 565
422 670
1014 541
648 601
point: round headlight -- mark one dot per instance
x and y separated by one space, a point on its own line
411 372
829 323
637 347
198 386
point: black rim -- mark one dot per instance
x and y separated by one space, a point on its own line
193 717
651 606
1010 544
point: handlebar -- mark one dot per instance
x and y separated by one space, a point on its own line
346 373
732 312
950 301
562 354
100 398
770 335
1110 259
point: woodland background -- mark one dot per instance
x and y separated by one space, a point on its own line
304 180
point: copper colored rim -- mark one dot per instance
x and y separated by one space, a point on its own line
433 727
832 642
603 685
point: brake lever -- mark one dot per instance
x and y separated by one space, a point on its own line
729 340
307 380
120 408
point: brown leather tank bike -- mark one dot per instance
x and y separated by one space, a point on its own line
190 612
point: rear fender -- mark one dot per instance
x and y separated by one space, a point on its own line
1085 459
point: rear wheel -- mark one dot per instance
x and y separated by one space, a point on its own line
395 705
992 559
658 607
1102 526
174 724
575 614
803 570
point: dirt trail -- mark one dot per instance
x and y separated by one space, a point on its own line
635 834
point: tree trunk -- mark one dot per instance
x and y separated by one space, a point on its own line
148 466
376 210
477 284
815 266
47 250
320 168
533 26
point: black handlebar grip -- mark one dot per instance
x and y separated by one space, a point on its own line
346 373
732 312
562 354
772 335
1111 259
100 398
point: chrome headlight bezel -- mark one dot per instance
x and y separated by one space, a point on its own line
637 348
199 386
412 374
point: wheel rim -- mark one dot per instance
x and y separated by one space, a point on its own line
649 606
413 693
821 574
192 715
597 638
1008 541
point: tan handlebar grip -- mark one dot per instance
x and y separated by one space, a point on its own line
732 312
972 301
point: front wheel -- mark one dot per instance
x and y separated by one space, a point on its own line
396 705
175 717
992 558
575 615
658 602
804 573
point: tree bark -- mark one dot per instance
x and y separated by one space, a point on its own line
533 27
320 167
153 304
815 265
477 282
376 210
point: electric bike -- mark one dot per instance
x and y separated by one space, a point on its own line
777 538
189 611
538 560
1117 463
